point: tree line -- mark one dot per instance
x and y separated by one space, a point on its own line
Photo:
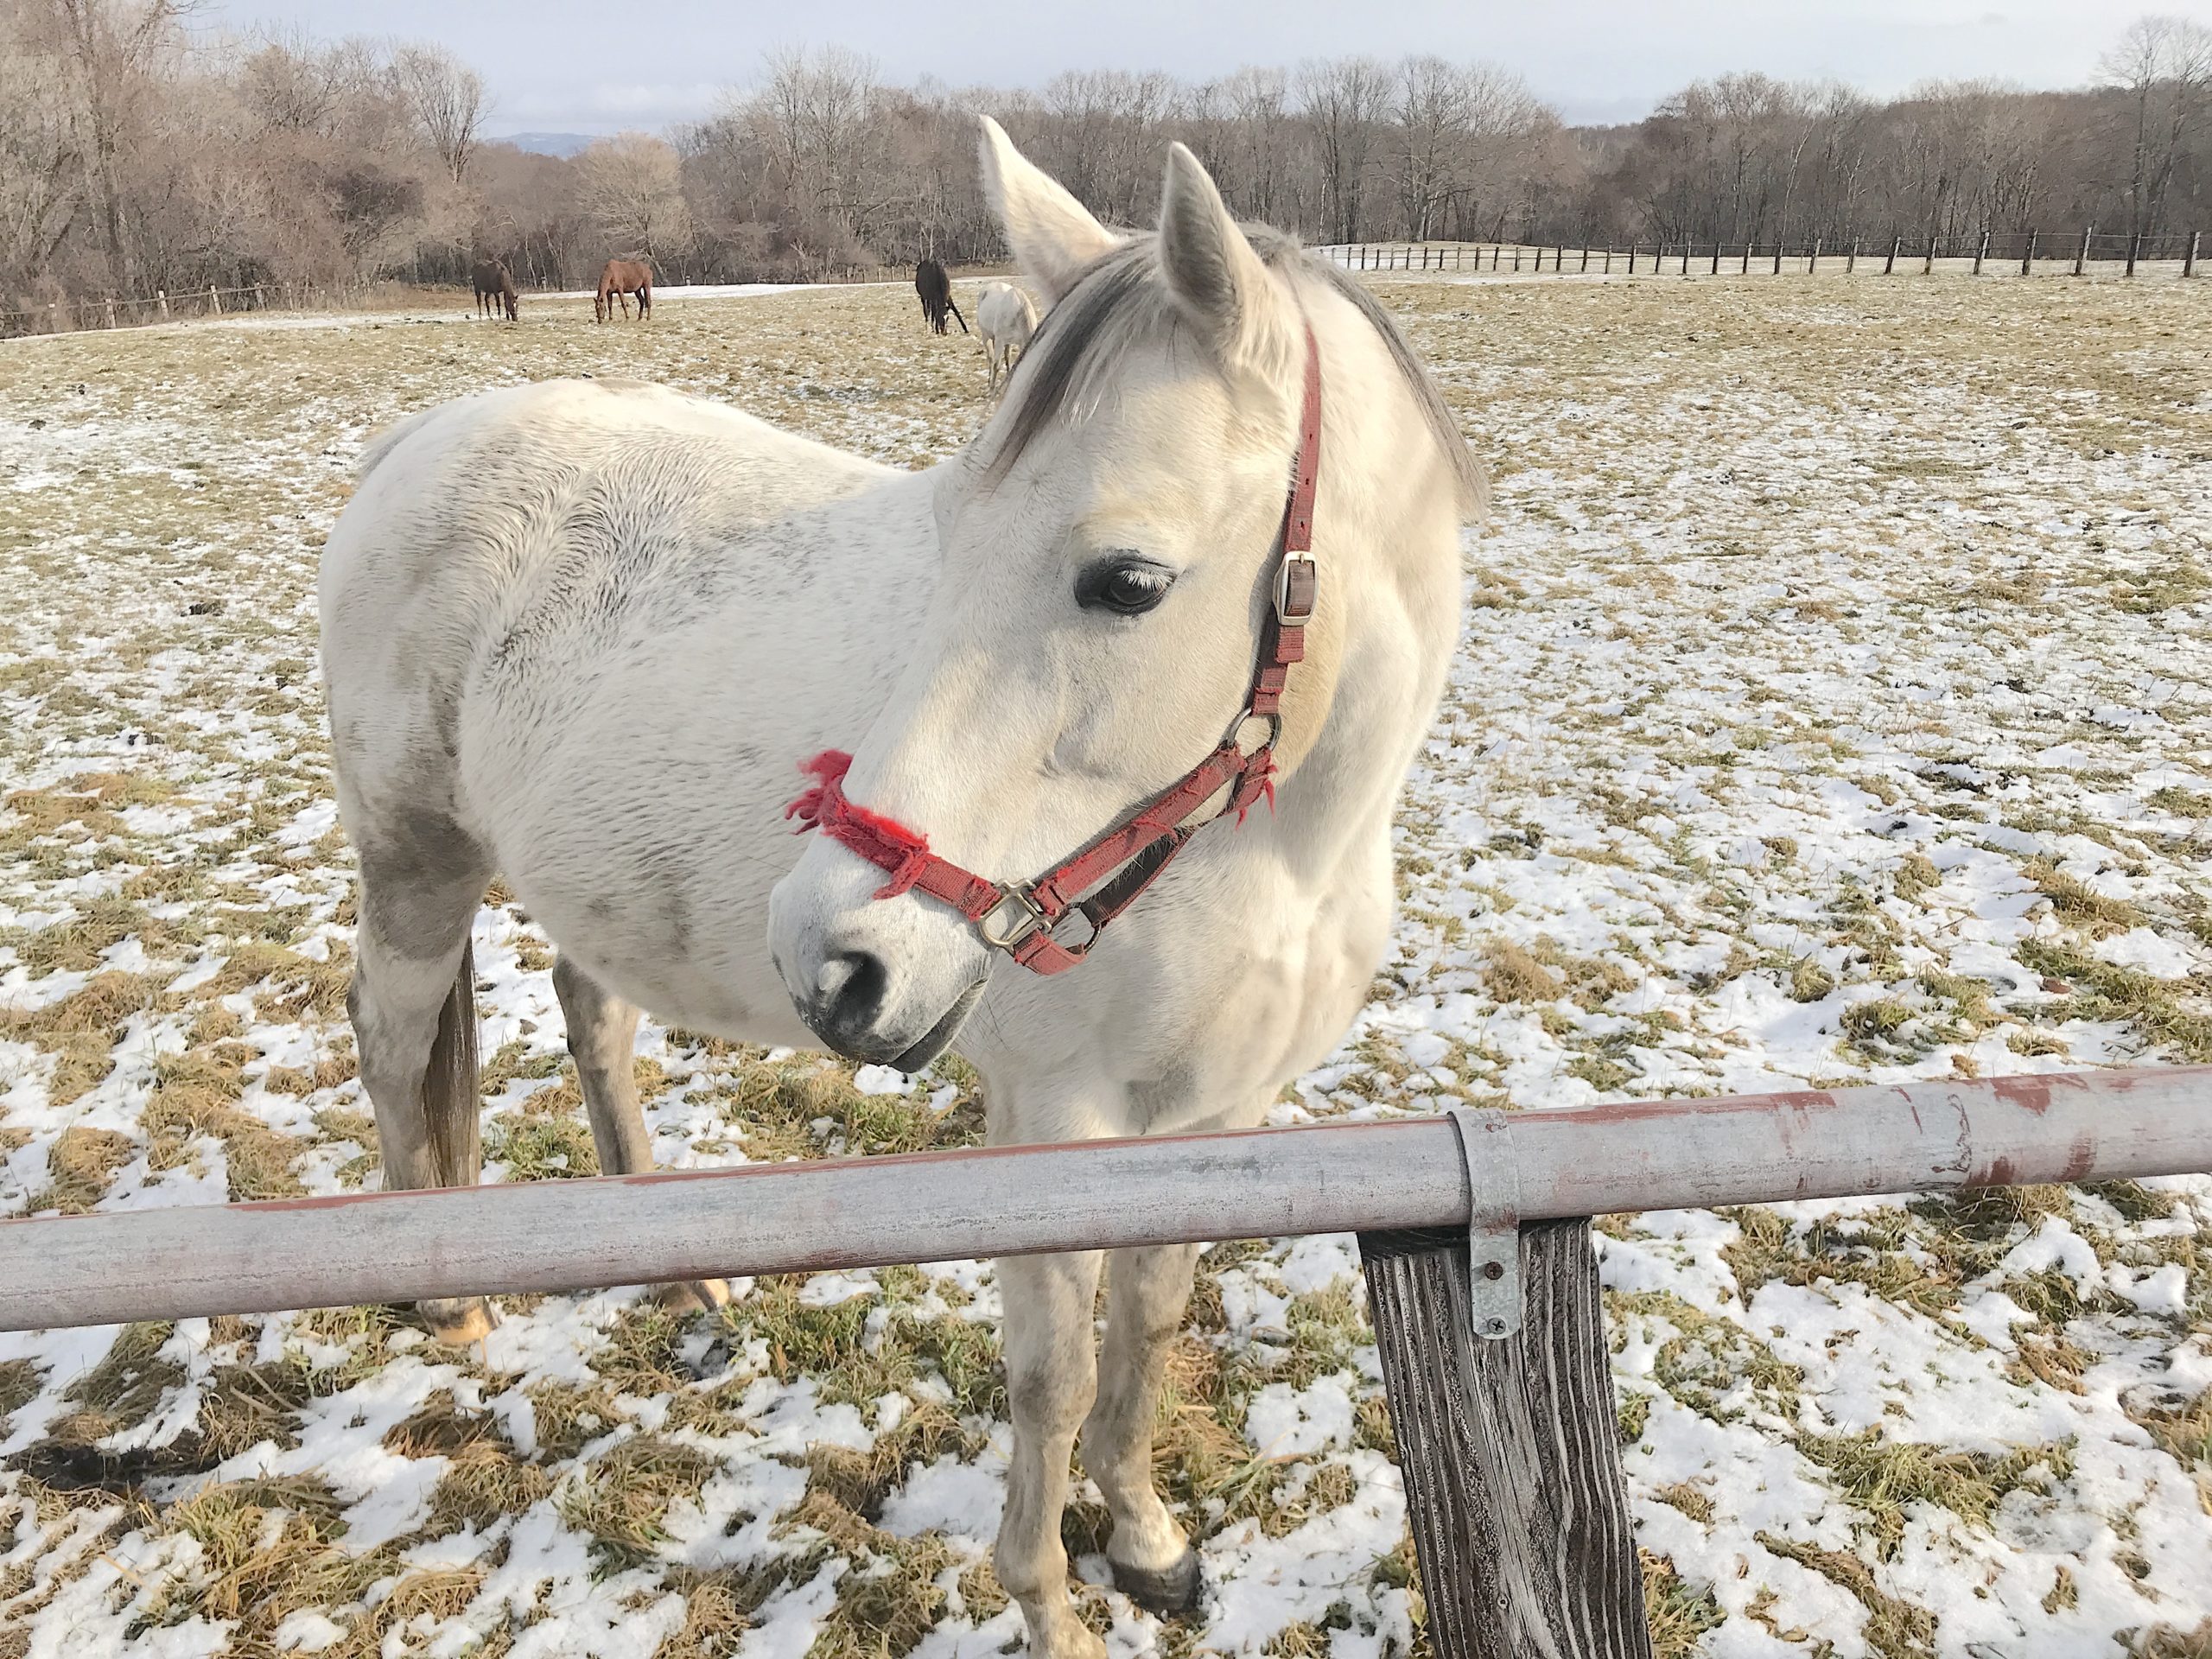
139 151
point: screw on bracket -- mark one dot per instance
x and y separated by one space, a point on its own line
1493 1219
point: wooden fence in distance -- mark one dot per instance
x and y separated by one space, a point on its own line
1473 1233
2027 253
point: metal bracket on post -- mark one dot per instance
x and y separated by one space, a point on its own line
1494 1222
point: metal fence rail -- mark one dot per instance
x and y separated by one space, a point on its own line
1402 1174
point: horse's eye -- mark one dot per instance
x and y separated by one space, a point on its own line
1127 587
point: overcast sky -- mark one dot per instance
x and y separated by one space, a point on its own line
596 67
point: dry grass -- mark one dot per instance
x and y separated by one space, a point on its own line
1662 811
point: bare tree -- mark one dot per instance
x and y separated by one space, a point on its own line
1344 100
2164 65
632 194
109 48
446 97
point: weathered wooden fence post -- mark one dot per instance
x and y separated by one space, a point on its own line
110 302
2189 259
1609 259
162 302
1586 262
1509 1449
2134 250
2028 259
1715 271
1928 264
1813 259
1895 243
2082 254
1980 251
1850 260
214 300
1633 248
1778 256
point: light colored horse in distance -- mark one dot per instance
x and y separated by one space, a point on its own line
578 634
1006 317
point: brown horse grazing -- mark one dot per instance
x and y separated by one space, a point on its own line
936 290
622 279
495 290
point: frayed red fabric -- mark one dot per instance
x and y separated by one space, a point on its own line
869 833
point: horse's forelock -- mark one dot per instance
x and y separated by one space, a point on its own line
1122 300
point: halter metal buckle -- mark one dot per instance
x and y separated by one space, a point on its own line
1297 584
1026 920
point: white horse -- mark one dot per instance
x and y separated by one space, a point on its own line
578 634
1006 317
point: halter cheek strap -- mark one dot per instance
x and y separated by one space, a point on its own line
1104 878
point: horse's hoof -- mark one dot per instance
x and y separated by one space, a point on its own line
1165 1590
460 1322
706 1294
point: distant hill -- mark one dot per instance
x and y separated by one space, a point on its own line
563 144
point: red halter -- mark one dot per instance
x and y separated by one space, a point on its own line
1019 918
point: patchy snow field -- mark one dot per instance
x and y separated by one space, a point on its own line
1833 707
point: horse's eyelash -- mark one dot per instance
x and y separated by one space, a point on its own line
1095 577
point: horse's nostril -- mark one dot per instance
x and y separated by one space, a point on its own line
852 984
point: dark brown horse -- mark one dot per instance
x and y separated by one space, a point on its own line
620 279
936 290
495 290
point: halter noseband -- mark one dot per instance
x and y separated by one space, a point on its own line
1019 918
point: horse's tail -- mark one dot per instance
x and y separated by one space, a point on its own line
449 1085
387 440
950 306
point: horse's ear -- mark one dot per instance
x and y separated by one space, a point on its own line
1054 236
1217 278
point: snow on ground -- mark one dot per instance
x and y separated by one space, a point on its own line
1833 707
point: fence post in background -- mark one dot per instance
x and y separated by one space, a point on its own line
1715 271
1586 262
1509 1449
1778 256
1686 258
1609 259
110 302
1517 256
1981 251
2189 259
1633 248
1895 243
1850 260
2134 249
162 302
2028 259
1928 264
2081 256
257 303
214 300
1813 259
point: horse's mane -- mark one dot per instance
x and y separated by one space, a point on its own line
1120 300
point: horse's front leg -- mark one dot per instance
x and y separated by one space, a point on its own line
1052 1376
602 1037
1146 1292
